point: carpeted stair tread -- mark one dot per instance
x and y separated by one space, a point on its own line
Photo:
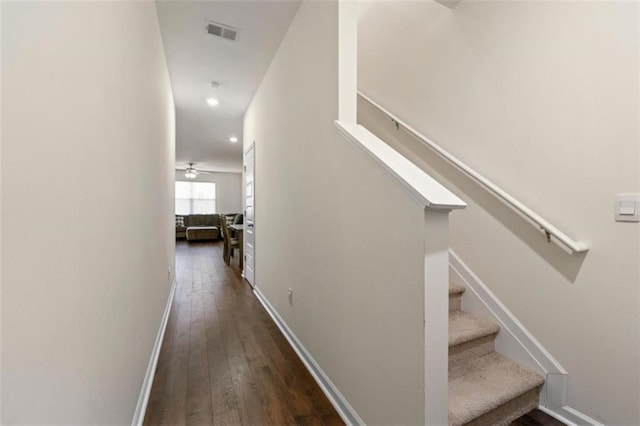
464 327
455 288
486 383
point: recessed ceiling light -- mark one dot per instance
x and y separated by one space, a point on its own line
212 102
233 139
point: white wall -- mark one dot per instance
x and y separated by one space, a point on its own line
228 189
333 227
87 208
1 7
542 98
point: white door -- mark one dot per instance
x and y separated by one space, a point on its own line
249 194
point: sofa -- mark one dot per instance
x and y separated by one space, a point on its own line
198 227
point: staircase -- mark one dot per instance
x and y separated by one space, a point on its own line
485 388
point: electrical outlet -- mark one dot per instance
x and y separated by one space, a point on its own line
290 292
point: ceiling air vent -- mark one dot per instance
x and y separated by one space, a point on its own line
223 31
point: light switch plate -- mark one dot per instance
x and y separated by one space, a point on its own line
627 208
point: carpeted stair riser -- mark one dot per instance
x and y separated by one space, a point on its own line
512 410
455 302
465 352
455 297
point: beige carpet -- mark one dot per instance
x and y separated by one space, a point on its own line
485 388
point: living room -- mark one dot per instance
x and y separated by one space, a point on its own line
199 201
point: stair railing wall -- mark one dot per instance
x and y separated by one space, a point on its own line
437 203
551 232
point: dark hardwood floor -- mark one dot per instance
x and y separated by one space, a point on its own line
537 418
224 362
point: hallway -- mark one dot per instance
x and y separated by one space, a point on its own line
223 360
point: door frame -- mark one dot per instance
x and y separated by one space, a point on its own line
244 207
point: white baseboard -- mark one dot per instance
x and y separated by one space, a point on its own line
570 416
342 406
517 343
145 392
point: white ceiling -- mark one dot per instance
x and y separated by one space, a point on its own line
195 59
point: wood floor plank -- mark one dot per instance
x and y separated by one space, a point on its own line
161 391
537 418
332 420
300 378
199 410
250 407
309 421
162 410
178 370
227 418
275 402
223 360
292 390
224 397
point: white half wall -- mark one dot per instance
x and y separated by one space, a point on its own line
542 99
332 226
228 189
87 208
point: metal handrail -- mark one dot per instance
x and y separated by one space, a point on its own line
552 233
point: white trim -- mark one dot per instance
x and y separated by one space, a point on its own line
244 210
517 343
143 399
548 229
425 190
347 61
570 416
251 145
436 317
339 402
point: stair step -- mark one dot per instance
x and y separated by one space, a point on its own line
455 288
464 327
469 338
491 390
455 296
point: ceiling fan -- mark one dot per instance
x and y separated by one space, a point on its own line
191 172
